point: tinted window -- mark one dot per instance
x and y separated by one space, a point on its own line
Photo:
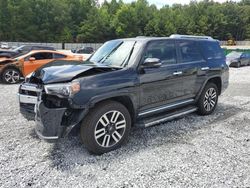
189 51
163 50
59 56
40 56
42 48
212 50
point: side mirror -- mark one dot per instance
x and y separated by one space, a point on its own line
32 59
151 63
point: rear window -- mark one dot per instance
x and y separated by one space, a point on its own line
189 52
59 56
212 50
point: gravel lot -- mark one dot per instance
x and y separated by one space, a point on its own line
211 151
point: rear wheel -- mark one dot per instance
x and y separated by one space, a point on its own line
106 127
208 99
238 65
11 76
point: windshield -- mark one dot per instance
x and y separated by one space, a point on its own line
114 53
234 55
21 50
18 48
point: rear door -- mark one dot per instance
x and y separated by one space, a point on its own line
193 67
40 59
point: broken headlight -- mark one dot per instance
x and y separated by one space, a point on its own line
63 90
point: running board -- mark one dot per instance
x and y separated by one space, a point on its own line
167 117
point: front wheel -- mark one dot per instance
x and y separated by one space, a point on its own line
208 99
11 76
105 127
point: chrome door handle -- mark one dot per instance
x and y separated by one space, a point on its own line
177 73
205 68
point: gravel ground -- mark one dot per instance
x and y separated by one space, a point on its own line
194 151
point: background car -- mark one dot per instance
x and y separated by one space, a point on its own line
21 50
84 50
11 70
4 45
238 59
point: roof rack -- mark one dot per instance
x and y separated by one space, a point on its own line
190 37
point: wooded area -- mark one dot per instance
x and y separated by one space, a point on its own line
87 21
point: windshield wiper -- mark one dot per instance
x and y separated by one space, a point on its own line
103 59
129 56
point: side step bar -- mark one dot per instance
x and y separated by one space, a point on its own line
170 116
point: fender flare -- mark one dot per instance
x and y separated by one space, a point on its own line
84 110
204 84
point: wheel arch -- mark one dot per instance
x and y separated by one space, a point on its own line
217 80
13 67
125 99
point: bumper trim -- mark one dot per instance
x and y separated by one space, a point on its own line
27 99
46 137
30 87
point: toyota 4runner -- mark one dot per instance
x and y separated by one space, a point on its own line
140 81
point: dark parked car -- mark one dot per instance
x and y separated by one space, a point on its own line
84 50
127 82
21 50
238 59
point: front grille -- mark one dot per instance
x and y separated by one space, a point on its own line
27 92
29 89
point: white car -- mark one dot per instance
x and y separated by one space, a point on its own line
4 45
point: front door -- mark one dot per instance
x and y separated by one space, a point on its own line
39 59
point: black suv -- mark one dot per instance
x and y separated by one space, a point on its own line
138 81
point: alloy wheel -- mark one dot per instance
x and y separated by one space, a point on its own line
110 129
12 76
210 99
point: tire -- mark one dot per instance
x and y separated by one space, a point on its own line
238 65
106 127
11 76
208 99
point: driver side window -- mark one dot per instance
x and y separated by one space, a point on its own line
42 56
163 50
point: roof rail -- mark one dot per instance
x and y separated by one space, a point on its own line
190 37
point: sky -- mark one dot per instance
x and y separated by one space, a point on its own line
160 3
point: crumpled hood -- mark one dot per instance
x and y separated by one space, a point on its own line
64 71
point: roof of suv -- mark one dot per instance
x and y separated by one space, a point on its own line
174 37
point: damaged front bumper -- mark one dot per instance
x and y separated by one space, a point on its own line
54 116
54 123
49 122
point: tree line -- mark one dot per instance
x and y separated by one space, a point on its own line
88 21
